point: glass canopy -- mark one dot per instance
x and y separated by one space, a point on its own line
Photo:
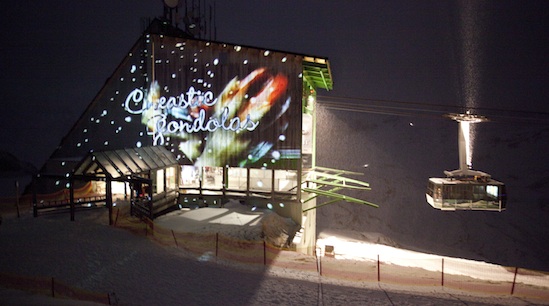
125 162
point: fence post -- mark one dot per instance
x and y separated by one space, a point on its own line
316 259
52 287
264 253
378 270
442 274
174 239
116 219
320 264
216 244
34 200
17 197
514 281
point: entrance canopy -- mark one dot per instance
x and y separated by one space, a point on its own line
120 164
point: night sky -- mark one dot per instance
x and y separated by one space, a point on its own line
56 55
487 56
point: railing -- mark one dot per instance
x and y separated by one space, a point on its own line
64 205
151 208
50 286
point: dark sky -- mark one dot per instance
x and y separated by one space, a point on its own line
57 54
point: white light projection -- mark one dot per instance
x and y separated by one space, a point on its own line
466 128
209 104
101 126
471 34
210 128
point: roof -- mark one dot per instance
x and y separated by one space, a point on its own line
125 162
453 181
316 72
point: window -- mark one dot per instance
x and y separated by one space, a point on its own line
159 181
285 180
492 191
171 178
189 177
213 178
261 179
237 179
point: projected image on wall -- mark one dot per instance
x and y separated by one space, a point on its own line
215 110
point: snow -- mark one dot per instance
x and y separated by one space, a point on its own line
90 254
233 220
349 248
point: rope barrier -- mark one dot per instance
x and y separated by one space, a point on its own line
448 272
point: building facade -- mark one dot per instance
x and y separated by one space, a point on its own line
240 121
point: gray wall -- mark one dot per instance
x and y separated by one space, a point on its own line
403 152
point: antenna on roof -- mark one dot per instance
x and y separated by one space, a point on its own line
198 17
171 10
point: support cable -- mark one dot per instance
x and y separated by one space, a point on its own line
430 110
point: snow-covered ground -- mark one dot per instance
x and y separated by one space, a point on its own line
90 254
348 245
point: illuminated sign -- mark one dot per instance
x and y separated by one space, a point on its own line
234 111
223 107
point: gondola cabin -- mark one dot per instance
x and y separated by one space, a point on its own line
464 188
466 194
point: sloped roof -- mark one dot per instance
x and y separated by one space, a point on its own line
125 162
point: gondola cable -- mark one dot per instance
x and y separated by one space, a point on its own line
406 108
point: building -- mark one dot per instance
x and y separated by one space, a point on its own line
238 120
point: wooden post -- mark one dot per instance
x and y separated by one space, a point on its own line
116 219
71 197
126 190
272 184
378 270
200 179
248 183
17 197
150 197
34 199
108 195
225 185
514 281
174 239
264 253
151 226
216 244
442 274
316 258
146 226
52 287
320 265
